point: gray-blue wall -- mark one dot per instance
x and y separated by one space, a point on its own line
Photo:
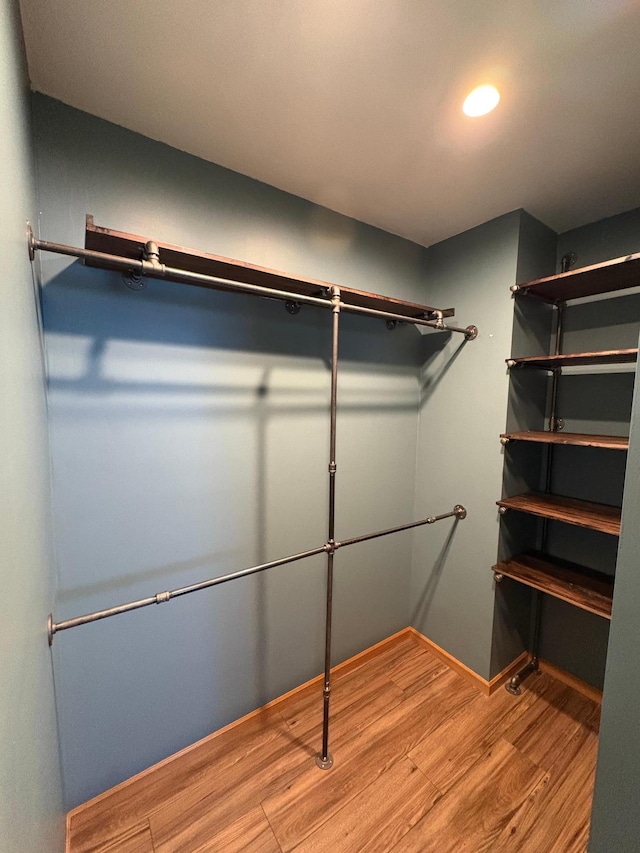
466 398
463 404
31 819
189 436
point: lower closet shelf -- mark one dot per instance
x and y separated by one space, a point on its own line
594 516
577 439
577 585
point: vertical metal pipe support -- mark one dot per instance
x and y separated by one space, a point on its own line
532 667
324 759
513 685
554 423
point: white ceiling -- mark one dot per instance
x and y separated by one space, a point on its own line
355 104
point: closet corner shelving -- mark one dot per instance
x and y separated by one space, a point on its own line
578 585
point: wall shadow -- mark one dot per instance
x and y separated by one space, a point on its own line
426 596
95 303
432 347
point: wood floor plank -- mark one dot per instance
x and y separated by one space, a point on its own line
553 719
128 804
225 796
136 839
207 806
344 692
391 660
452 748
471 816
379 818
300 807
386 658
351 710
415 671
249 834
556 816
382 663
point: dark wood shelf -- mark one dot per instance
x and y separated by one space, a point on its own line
576 439
607 277
575 359
582 587
569 510
131 246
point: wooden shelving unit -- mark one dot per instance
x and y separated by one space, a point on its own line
607 277
580 586
575 359
125 245
593 516
577 585
576 439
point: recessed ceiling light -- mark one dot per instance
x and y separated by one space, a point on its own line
481 101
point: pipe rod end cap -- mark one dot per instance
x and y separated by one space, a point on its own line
324 763
460 511
50 629
471 333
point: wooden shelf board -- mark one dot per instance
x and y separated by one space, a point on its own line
582 587
578 439
617 274
594 516
549 362
131 246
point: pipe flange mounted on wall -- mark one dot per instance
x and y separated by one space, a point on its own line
471 333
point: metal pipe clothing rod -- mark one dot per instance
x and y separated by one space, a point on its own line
155 269
470 332
458 511
161 597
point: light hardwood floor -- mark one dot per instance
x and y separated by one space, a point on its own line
423 762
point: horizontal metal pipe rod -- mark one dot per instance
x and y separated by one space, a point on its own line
458 511
154 269
157 270
243 287
470 332
161 597
86 254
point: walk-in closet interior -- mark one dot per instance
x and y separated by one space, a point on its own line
321 458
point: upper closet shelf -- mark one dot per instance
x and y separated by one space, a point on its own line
575 359
618 274
124 245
